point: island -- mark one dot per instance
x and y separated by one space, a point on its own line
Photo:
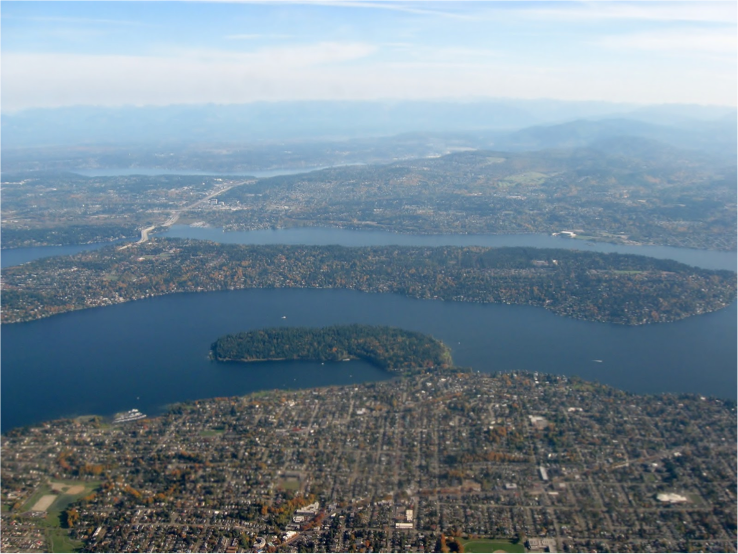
389 348
596 286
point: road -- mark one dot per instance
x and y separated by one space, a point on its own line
177 213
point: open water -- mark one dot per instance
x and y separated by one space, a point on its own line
17 256
154 352
708 259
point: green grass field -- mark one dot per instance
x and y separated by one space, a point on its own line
35 497
63 501
290 484
58 537
60 541
530 178
490 545
212 432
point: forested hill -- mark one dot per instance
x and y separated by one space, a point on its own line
389 348
595 286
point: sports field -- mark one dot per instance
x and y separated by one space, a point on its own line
491 545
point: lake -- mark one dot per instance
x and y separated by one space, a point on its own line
708 259
153 352
17 256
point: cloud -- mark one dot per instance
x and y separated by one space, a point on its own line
697 12
58 79
420 9
77 20
333 71
678 42
723 12
433 55
257 37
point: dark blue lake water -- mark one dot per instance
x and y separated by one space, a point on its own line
17 256
153 352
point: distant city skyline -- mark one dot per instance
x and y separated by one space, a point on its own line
162 53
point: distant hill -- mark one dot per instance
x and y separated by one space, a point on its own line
305 135
717 137
683 114
574 134
186 124
653 152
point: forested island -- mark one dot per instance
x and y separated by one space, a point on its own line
388 348
595 286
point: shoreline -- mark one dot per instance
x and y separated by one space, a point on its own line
464 301
166 409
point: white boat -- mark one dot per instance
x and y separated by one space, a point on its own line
131 415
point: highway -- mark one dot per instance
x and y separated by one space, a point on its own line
177 213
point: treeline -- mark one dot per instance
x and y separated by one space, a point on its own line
596 286
389 348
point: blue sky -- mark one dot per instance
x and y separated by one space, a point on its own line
160 53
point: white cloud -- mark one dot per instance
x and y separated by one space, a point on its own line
303 55
338 71
420 9
720 11
704 12
76 20
188 77
257 37
440 54
677 41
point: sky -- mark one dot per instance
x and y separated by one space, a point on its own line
162 53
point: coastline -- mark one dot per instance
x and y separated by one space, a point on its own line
593 286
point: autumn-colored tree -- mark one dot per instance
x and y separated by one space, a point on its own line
71 516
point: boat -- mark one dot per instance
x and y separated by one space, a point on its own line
131 415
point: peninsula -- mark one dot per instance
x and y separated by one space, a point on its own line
394 350
615 288
417 464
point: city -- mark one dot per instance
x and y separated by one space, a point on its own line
555 463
